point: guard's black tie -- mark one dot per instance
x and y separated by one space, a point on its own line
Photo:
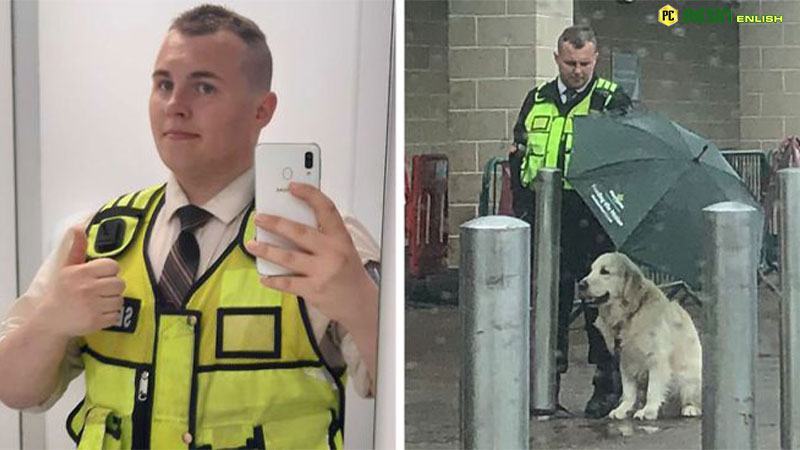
184 256
570 94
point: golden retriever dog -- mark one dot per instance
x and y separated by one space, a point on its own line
654 338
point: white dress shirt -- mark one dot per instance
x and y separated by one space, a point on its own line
562 89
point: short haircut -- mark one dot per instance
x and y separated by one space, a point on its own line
578 36
209 19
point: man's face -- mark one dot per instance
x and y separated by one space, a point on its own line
205 115
576 66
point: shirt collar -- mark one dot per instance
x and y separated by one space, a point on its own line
563 87
224 206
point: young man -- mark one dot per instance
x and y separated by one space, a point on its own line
543 138
157 299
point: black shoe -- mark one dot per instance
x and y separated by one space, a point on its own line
607 391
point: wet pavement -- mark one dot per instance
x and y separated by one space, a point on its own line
433 364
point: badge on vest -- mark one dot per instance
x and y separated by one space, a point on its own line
249 332
129 317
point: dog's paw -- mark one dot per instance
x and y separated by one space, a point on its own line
619 413
690 411
646 414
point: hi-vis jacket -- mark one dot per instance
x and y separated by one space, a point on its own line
237 368
545 124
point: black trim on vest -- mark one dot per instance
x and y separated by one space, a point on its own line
520 133
132 201
257 442
243 228
549 92
149 266
258 366
111 361
71 417
274 311
141 433
195 359
332 429
140 414
334 374
195 363
116 211
119 199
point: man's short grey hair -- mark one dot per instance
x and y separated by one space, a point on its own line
578 36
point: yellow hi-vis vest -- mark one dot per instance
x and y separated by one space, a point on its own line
237 368
550 133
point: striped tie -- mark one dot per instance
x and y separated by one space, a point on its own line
181 265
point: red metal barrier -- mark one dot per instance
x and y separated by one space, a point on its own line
506 208
426 215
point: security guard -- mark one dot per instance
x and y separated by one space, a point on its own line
543 138
156 297
237 366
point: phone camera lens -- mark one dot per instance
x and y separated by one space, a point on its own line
309 160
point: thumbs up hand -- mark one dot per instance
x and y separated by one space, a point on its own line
84 296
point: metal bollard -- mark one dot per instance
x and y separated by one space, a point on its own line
494 298
790 308
544 317
729 347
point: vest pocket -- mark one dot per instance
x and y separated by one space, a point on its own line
540 123
248 332
102 430
320 431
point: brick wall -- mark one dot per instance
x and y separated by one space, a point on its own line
426 76
689 72
770 74
498 50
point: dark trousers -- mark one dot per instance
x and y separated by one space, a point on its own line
582 240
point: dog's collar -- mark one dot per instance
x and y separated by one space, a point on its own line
618 329
630 316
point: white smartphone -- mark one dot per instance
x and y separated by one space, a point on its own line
276 166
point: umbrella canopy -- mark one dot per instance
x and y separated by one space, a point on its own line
647 179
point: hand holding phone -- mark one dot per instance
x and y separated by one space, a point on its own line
277 165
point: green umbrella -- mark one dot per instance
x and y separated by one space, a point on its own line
647 180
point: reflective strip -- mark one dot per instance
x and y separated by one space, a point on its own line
126 199
141 200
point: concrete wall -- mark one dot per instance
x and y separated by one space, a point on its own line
689 72
426 86
770 74
498 51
